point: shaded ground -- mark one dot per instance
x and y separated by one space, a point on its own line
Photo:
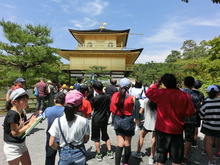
36 145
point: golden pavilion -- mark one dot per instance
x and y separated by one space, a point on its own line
100 47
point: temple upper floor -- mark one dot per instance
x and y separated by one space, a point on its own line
100 45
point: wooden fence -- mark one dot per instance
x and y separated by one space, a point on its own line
31 103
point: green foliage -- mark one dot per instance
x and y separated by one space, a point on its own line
27 53
152 71
99 72
173 57
202 61
191 50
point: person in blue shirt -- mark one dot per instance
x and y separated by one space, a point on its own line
51 113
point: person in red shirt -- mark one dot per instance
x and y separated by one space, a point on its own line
42 93
86 107
173 105
122 106
19 83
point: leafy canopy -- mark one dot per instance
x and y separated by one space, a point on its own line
27 53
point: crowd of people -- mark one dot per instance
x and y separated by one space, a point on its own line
171 113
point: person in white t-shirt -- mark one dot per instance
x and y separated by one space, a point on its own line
72 130
138 92
150 112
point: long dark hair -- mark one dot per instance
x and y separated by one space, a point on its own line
121 99
9 104
152 106
70 111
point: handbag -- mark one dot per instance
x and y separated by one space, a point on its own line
36 91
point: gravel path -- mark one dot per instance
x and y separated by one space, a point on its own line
36 145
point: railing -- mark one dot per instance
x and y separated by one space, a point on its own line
31 103
67 67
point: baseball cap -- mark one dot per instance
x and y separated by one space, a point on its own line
64 86
17 92
125 82
20 80
50 82
216 89
74 97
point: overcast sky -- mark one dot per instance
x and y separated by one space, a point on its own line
165 24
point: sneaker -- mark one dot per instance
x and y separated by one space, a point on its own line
216 155
137 128
98 157
110 154
151 161
212 163
204 152
136 154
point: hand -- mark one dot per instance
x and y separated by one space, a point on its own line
37 112
159 81
32 119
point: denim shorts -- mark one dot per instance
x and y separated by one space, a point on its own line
72 156
124 125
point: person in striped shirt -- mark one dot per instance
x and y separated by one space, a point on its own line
210 114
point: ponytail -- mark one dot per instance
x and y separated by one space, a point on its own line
8 105
152 106
122 96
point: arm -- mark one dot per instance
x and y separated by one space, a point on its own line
141 110
87 133
202 111
17 131
141 106
53 144
86 138
153 92
7 96
48 89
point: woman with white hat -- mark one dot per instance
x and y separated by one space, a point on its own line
122 106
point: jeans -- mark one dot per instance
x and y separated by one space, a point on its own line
40 103
69 156
50 154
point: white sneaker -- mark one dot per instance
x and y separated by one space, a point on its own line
211 163
136 154
137 128
151 161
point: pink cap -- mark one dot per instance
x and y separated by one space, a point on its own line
74 97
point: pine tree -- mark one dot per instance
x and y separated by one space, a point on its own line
27 53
